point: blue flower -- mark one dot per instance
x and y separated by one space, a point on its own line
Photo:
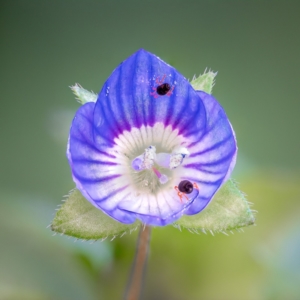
151 147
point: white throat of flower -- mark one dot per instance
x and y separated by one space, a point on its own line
156 163
150 160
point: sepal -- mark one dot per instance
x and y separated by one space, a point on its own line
78 218
82 95
228 210
204 82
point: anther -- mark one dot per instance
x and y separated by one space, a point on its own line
145 160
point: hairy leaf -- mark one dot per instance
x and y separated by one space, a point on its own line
204 82
77 217
82 95
228 210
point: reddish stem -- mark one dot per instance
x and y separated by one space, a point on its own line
135 283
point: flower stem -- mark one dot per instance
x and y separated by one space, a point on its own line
137 275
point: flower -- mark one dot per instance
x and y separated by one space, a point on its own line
151 147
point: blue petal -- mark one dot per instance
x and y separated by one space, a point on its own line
126 100
95 170
213 157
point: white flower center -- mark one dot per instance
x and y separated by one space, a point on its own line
150 157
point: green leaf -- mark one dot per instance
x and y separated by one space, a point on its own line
228 210
77 217
82 95
204 82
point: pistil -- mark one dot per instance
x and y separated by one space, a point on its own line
161 177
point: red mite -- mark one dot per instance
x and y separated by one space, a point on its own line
162 88
185 187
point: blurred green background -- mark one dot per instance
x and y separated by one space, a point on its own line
46 46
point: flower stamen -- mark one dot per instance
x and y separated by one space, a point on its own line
145 160
172 160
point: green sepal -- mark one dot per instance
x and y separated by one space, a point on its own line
82 95
204 82
228 210
77 217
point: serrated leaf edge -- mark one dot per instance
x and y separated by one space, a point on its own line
109 237
224 231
